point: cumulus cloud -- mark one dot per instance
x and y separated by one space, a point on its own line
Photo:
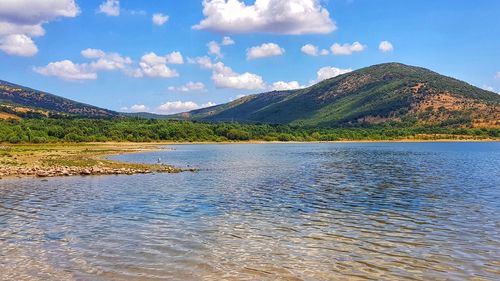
497 76
284 86
268 16
106 61
310 49
160 19
67 70
324 52
18 45
21 20
101 61
385 46
330 72
189 87
150 65
172 107
214 49
204 62
175 58
265 50
110 8
226 41
224 77
153 65
347 49
135 108
138 108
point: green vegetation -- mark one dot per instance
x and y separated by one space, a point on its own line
50 130
380 93
382 102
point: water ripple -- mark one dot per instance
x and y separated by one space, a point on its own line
265 212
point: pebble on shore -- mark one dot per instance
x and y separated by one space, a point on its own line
44 172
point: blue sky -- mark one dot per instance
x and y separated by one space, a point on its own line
112 54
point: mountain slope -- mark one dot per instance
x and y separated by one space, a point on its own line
376 94
18 101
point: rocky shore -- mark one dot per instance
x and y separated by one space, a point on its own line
84 159
44 172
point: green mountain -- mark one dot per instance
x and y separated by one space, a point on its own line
391 92
18 102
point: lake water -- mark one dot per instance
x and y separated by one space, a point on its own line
354 211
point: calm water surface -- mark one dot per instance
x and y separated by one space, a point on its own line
375 211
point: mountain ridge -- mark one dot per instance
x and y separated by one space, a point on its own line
18 101
389 92
385 93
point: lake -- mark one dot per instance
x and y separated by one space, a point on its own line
327 211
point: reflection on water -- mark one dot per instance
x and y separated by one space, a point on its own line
265 212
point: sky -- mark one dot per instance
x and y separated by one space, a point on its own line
168 56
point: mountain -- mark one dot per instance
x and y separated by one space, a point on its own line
376 94
18 101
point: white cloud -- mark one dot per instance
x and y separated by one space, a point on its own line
18 45
172 107
265 50
21 20
347 49
9 28
214 49
497 76
32 12
491 89
269 16
152 65
204 62
106 61
330 72
160 19
284 86
189 87
175 58
226 41
138 108
135 108
67 70
92 53
110 8
225 77
324 52
310 49
385 46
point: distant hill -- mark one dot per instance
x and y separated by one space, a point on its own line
376 94
17 102
145 115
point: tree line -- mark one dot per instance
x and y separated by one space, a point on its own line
49 130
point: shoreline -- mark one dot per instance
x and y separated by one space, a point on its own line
90 158
84 159
340 141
